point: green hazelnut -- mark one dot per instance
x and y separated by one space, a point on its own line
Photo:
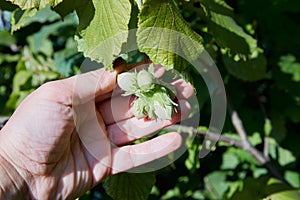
145 80
127 81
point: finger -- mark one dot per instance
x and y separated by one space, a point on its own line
132 129
116 109
89 86
128 157
103 97
184 90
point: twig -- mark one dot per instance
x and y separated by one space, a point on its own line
239 127
233 142
208 135
215 137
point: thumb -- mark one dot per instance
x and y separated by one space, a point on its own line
88 86
89 124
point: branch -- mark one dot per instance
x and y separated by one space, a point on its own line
208 135
239 127
233 142
215 137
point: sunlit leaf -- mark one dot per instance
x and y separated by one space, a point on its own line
289 65
20 79
8 58
192 163
171 194
218 187
103 26
255 139
21 18
285 156
286 195
267 127
229 160
26 4
160 25
293 178
243 156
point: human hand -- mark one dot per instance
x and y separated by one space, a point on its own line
48 144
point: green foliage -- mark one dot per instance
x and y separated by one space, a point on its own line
46 54
227 32
192 162
159 22
254 44
127 186
5 5
25 4
102 39
265 187
6 38
241 55
21 18
249 70
289 65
